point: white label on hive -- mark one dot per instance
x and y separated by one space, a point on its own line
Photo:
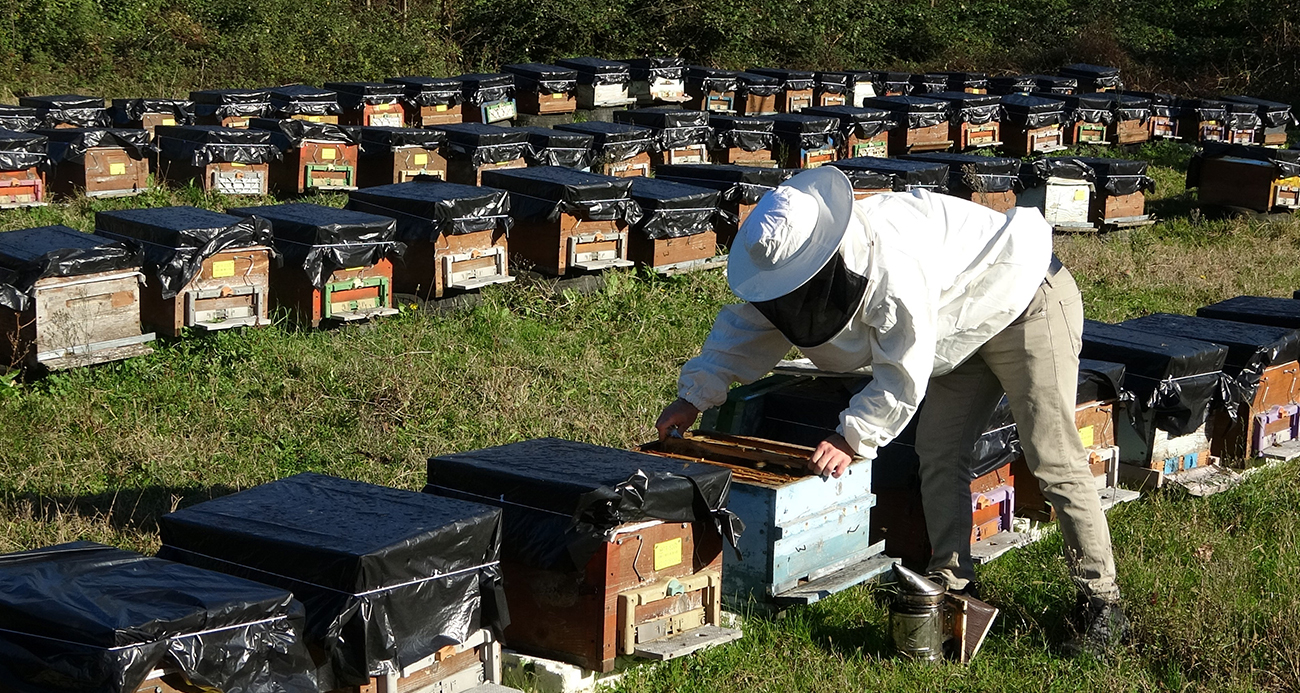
668 553
223 268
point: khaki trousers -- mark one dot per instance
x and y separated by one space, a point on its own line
1035 360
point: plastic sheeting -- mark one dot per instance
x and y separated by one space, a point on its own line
1084 108
1095 77
673 210
961 81
1055 84
614 142
301 99
806 131
976 109
1012 84
1030 111
550 147
1271 113
673 127
429 91
69 109
863 123
542 78
290 133
543 193
835 82
426 210
29 255
748 133
482 88
484 144
1162 104
1259 310
738 184
906 174
928 83
387 576
884 82
176 240
1242 116
322 240
89 618
754 84
19 118
703 80
1126 107
598 71
71 144
353 96
1205 109
911 112
202 145
231 103
1175 380
560 499
380 140
974 173
1037 172
127 111
20 151
790 80
650 69
1100 381
1119 176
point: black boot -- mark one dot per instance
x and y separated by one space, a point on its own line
1098 626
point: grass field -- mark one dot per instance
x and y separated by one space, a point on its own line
1212 584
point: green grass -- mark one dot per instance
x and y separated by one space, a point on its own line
100 453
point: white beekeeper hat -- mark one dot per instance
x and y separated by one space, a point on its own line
791 234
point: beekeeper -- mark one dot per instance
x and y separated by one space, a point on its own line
946 301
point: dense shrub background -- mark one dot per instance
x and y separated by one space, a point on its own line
137 47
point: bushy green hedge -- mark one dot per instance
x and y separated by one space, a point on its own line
131 47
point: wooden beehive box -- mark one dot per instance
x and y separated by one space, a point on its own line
891 83
455 235
375 104
1165 114
1094 78
628 546
1202 120
229 161
756 94
1003 85
805 141
1232 180
987 180
601 83
802 541
206 270
834 89
1130 119
1088 117
83 616
1274 119
69 111
927 83
430 101
19 118
1262 361
658 81
396 155
921 123
489 98
1031 125
1119 199
742 140
148 114
335 265
473 148
741 187
862 86
70 299
711 89
861 131
973 119
968 82
567 221
542 89
231 108
98 162
797 87
675 232
1242 124
24 158
618 149
874 175
394 601
554 147
316 156
1166 433
303 102
1061 188
681 136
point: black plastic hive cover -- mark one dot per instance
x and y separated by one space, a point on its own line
322 240
906 174
381 140
673 127
290 133
1097 76
1036 172
1087 108
928 82
552 147
419 90
700 79
1100 381
864 123
387 576
673 210
1054 83
425 210
301 99
835 82
790 80
977 173
614 142
750 133
806 131
20 151
201 145
481 88
1119 176
976 109
129 110
743 184
30 255
543 193
176 240
484 144
69 109
559 497
542 78
1272 113
88 618
1011 84
598 71
227 103
958 81
356 95
20 118
756 84
912 112
646 69
71 144
1259 310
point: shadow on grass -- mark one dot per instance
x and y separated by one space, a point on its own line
124 510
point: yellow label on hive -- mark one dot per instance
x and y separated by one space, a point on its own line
558 95
169 121
117 169
329 154
1085 436
440 107
315 119
668 553
236 164
420 159
223 268
1080 194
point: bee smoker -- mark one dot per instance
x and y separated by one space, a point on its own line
918 621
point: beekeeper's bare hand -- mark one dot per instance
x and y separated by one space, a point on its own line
831 457
679 416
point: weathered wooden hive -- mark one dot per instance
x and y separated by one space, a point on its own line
429 101
618 149
148 114
862 131
675 232
231 108
24 161
99 162
542 89
230 161
489 97
473 148
682 136
743 140
377 104
922 123
396 155
316 156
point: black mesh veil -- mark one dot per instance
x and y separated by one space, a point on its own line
814 313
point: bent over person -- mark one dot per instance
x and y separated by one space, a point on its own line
945 300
